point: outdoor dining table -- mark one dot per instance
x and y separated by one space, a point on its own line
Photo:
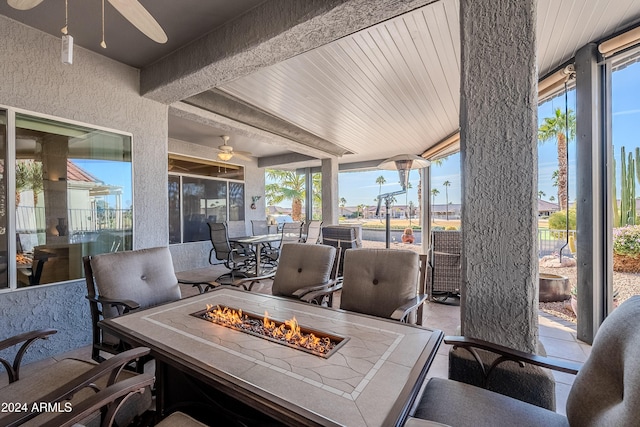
257 242
370 379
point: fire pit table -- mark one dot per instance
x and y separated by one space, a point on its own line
220 373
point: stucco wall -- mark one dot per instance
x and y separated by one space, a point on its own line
101 92
96 91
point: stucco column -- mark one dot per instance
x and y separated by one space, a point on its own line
498 121
330 191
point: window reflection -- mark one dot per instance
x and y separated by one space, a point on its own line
203 201
195 201
73 197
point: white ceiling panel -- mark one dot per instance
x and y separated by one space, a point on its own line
388 89
395 87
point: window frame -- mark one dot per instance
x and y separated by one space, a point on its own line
10 177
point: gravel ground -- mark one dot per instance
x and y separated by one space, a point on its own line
627 284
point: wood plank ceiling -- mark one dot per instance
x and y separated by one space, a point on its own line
395 87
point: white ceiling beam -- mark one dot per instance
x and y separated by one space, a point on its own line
234 127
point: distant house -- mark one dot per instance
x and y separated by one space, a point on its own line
547 208
452 210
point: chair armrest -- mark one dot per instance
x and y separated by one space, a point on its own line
510 354
114 394
111 367
317 296
251 280
27 338
320 287
201 285
404 310
127 304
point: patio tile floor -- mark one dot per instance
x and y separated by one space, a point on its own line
558 336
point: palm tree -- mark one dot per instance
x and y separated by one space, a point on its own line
343 202
447 184
434 193
380 181
556 128
29 177
291 186
412 210
541 194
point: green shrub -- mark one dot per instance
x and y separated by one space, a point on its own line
558 221
626 240
451 227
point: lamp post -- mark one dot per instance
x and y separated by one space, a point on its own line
403 163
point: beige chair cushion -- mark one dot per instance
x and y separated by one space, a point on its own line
32 387
145 276
302 265
377 281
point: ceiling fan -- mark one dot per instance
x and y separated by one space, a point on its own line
226 152
132 10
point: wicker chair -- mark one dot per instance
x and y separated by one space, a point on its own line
341 236
444 264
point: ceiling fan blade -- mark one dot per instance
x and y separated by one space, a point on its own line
244 155
23 4
135 13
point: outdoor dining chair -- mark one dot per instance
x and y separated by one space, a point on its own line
259 226
605 392
379 282
312 231
303 269
68 382
237 260
123 281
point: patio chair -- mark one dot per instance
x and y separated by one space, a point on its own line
312 231
110 402
122 281
381 282
605 392
291 232
238 261
70 383
340 236
303 269
444 264
259 227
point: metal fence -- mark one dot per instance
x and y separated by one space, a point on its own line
33 220
551 241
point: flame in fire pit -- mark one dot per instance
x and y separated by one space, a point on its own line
288 332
